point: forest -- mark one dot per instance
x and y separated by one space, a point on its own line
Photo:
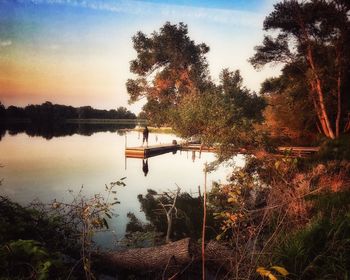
280 216
55 113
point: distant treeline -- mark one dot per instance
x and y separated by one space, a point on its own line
48 112
50 130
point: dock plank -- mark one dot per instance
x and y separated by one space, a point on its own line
148 151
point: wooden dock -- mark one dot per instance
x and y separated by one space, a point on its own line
149 151
197 147
154 150
299 151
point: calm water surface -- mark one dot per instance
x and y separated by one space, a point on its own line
37 168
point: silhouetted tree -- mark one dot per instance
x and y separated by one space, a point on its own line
14 112
54 113
2 111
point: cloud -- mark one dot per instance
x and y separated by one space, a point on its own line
226 16
5 43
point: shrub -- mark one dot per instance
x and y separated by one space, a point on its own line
322 249
338 149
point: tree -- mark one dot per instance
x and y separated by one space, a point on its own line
172 74
15 112
289 115
2 111
224 115
169 65
314 33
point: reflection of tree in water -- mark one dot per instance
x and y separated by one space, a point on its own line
187 222
50 120
49 130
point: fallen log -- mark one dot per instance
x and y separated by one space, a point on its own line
171 257
146 259
219 255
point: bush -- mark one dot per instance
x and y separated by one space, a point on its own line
322 249
338 149
32 245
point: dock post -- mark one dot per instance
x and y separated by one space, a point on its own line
204 220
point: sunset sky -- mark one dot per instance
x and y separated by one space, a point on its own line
77 52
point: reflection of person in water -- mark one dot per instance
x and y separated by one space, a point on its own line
145 166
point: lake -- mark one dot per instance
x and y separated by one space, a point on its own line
35 167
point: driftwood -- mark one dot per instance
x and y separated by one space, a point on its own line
176 253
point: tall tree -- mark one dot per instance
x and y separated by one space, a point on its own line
169 65
314 33
224 115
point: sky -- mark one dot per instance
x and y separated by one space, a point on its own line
77 52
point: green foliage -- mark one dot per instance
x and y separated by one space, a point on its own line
267 215
34 241
168 66
173 76
322 249
32 244
338 149
224 115
31 224
233 202
88 215
22 259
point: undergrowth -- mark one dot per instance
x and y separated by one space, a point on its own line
321 250
33 245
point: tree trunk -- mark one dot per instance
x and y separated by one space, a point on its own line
169 219
154 258
322 107
317 84
323 129
170 256
337 121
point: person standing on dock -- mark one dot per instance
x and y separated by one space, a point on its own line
145 136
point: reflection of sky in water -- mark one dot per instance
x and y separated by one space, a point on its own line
45 169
